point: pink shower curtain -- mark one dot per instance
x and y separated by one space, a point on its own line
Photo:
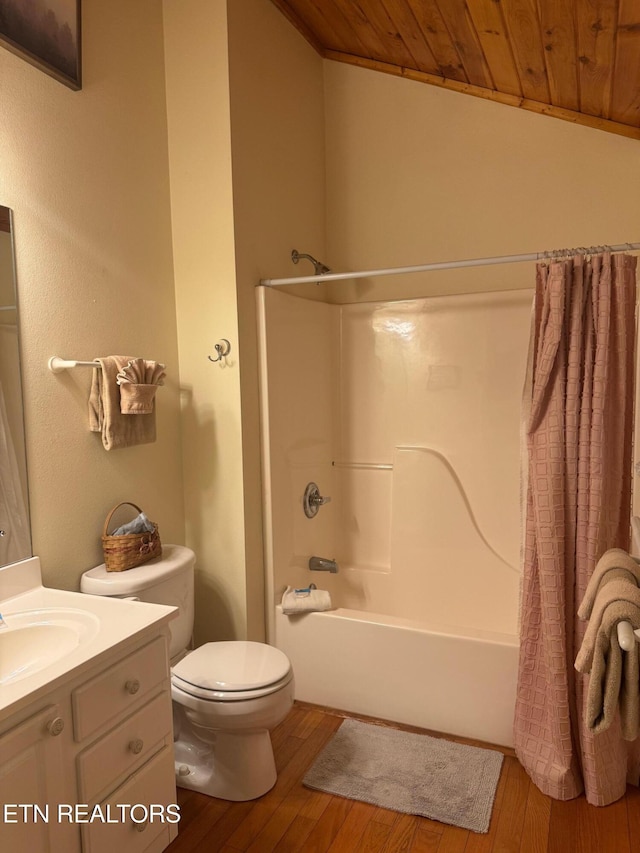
578 416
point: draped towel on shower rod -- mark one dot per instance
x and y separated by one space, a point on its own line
448 265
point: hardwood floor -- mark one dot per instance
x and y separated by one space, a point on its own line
293 818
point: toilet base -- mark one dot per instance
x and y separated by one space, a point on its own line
235 767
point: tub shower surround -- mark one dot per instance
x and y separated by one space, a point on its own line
408 414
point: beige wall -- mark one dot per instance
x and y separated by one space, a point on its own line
86 176
277 122
247 178
201 199
417 174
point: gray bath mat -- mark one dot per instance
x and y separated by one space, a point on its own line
409 773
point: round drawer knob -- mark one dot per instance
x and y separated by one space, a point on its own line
136 746
132 686
140 827
56 726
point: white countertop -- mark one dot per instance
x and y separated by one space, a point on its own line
119 621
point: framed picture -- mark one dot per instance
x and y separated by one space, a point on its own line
47 34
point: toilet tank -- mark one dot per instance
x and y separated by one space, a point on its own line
165 580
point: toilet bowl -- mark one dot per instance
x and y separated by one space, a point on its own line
227 696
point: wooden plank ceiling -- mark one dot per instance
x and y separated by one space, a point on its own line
578 60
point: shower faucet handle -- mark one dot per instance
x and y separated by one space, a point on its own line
313 500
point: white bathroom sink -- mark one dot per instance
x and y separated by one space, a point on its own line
31 640
51 635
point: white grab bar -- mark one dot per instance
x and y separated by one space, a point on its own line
627 637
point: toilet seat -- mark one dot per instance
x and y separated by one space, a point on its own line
232 671
221 696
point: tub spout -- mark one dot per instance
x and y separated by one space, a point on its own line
322 564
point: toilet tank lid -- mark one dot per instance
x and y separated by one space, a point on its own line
174 560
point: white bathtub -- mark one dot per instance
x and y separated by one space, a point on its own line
450 680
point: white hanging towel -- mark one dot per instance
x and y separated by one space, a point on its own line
305 600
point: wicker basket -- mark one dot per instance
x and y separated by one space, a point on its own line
131 549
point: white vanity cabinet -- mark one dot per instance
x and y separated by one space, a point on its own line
103 738
34 771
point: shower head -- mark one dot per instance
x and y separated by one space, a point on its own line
318 266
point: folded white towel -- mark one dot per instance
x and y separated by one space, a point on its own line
305 600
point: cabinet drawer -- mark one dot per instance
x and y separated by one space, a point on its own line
125 748
152 784
119 689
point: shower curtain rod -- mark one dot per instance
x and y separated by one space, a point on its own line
447 265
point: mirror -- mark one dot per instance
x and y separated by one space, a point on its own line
15 536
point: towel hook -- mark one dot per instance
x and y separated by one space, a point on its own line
223 348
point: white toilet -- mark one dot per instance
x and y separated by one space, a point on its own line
226 695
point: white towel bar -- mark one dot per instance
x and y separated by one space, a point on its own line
57 364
